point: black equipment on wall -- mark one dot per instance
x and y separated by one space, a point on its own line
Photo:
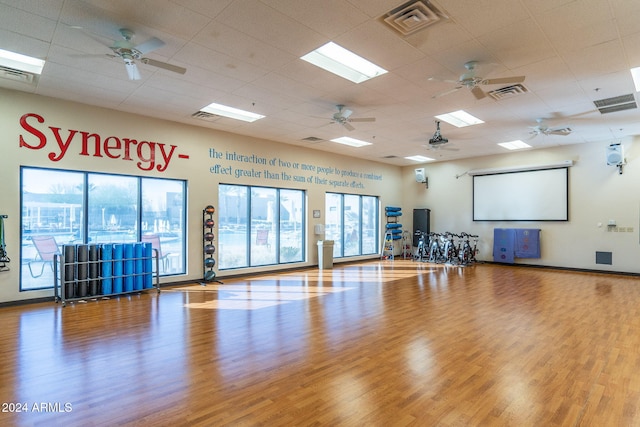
421 222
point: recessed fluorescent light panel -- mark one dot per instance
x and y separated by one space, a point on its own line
21 62
232 113
344 63
635 73
459 119
419 158
514 145
352 142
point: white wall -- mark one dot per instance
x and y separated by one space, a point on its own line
597 194
191 141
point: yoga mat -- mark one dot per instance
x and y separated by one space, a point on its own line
93 270
82 252
69 252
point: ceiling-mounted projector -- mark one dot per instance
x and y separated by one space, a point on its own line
437 137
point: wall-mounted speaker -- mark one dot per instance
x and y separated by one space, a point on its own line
615 154
420 176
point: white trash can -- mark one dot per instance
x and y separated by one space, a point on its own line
325 254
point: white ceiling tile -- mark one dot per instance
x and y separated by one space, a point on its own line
265 23
518 44
245 53
236 44
327 17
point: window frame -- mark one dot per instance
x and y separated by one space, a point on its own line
83 234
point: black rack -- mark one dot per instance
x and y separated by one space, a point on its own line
99 271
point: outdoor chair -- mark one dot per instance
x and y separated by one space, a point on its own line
47 247
163 258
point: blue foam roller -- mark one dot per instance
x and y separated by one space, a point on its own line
147 281
128 267
139 266
106 254
118 268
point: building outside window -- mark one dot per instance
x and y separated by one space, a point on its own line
352 223
260 226
69 207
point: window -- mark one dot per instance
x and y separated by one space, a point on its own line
69 207
259 226
352 223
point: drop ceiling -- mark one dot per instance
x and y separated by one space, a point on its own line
246 54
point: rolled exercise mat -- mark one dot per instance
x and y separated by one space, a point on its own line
118 267
93 270
138 269
128 266
69 252
82 253
147 253
106 253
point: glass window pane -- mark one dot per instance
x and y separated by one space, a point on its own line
233 249
352 230
292 226
52 215
163 221
333 222
264 211
369 225
113 208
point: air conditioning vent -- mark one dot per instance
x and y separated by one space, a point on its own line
616 103
312 139
508 91
413 16
16 75
202 115
391 156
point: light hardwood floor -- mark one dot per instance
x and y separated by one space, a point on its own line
382 343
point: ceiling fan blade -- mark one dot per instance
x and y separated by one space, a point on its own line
132 70
150 45
478 93
348 126
363 119
503 80
345 113
563 131
163 65
446 93
435 79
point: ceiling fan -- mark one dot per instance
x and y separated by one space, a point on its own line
473 82
543 129
437 141
343 117
129 52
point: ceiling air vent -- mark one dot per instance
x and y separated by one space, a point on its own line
312 139
16 75
508 92
391 156
202 115
413 16
617 103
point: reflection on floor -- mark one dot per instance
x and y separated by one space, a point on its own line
261 292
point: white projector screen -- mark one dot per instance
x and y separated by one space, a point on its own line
537 195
